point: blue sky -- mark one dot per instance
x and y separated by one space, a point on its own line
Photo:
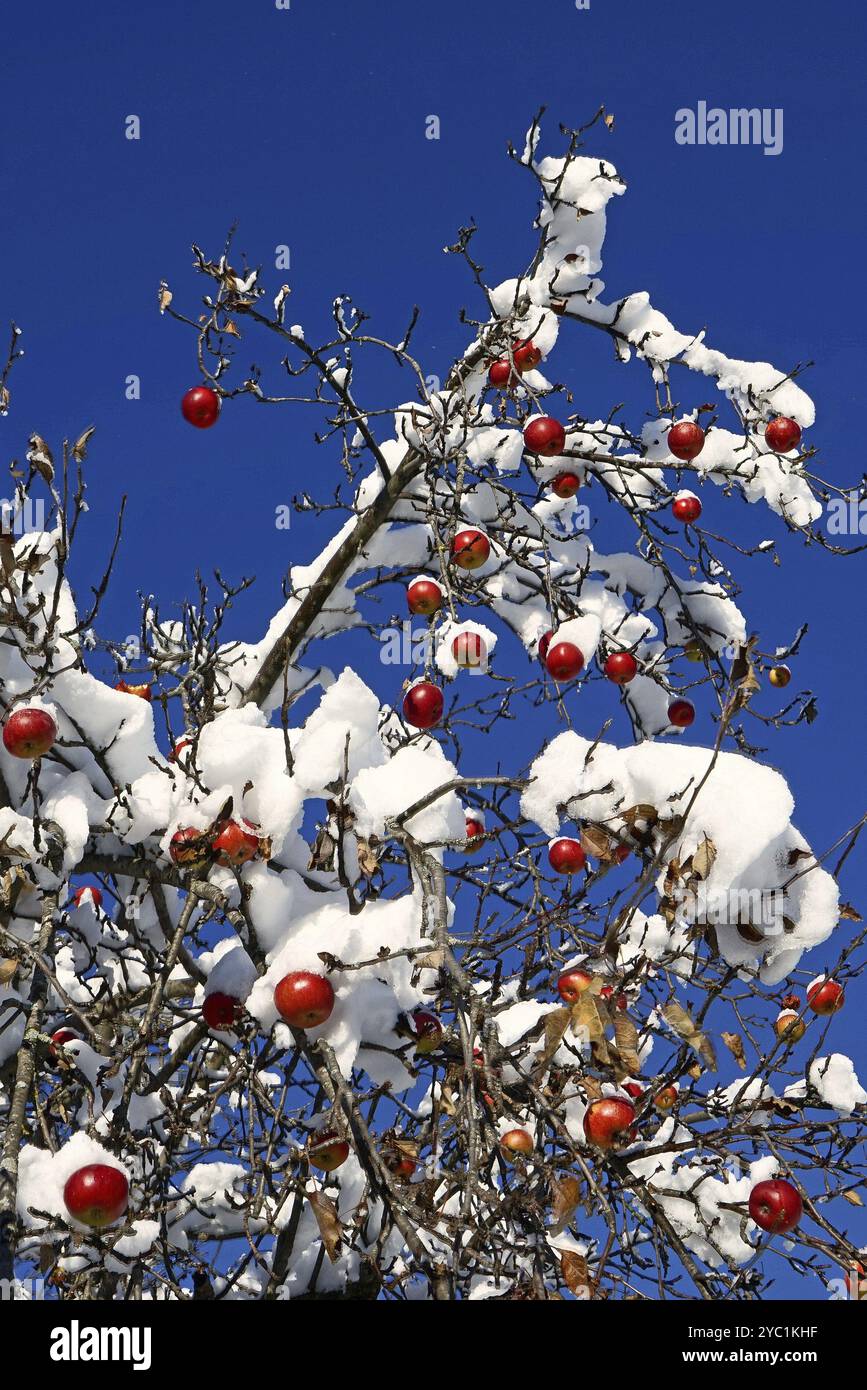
307 127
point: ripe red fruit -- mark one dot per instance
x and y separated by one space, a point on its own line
400 1164
470 549
620 667
621 852
428 1031
189 848
776 1206
572 984
221 1011
29 733
60 1038
608 993
97 1195
469 650
526 355
686 507
544 643
327 1151
564 661
200 406
475 831
789 1026
566 856
424 597
501 373
423 705
303 999
609 1120
566 484
681 713
142 691
516 1141
178 749
633 1089
685 440
666 1099
544 437
826 997
82 894
233 845
783 434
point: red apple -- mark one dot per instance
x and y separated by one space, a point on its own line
607 992
423 705
566 856
543 644
783 434
566 484
826 997
60 1038
620 667
776 1206
469 650
633 1089
685 440
475 834
189 848
608 1121
97 1195
572 984
424 597
428 1031
470 549
526 355
29 733
142 691
621 852
82 894
516 1141
501 373
564 661
789 1026
221 1011
234 845
544 437
686 507
681 713
327 1150
400 1164
200 406
666 1099
303 999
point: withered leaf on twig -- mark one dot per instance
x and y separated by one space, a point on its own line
576 1274
79 448
735 1044
685 1027
566 1192
626 1037
848 913
39 455
328 1222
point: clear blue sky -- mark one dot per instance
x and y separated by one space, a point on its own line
307 127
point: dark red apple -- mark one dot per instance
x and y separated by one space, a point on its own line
97 1195
189 848
686 507
428 1031
566 484
607 993
423 705
685 440
544 437
470 549
304 999
59 1040
200 406
620 667
776 1206
681 713
633 1089
327 1151
826 997
526 355
566 856
564 661
543 644
501 373
609 1121
424 597
29 733
782 434
221 1011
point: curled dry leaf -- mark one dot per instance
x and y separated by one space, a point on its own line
576 1275
683 1024
328 1222
566 1194
626 1038
735 1044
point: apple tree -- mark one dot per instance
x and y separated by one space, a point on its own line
311 986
